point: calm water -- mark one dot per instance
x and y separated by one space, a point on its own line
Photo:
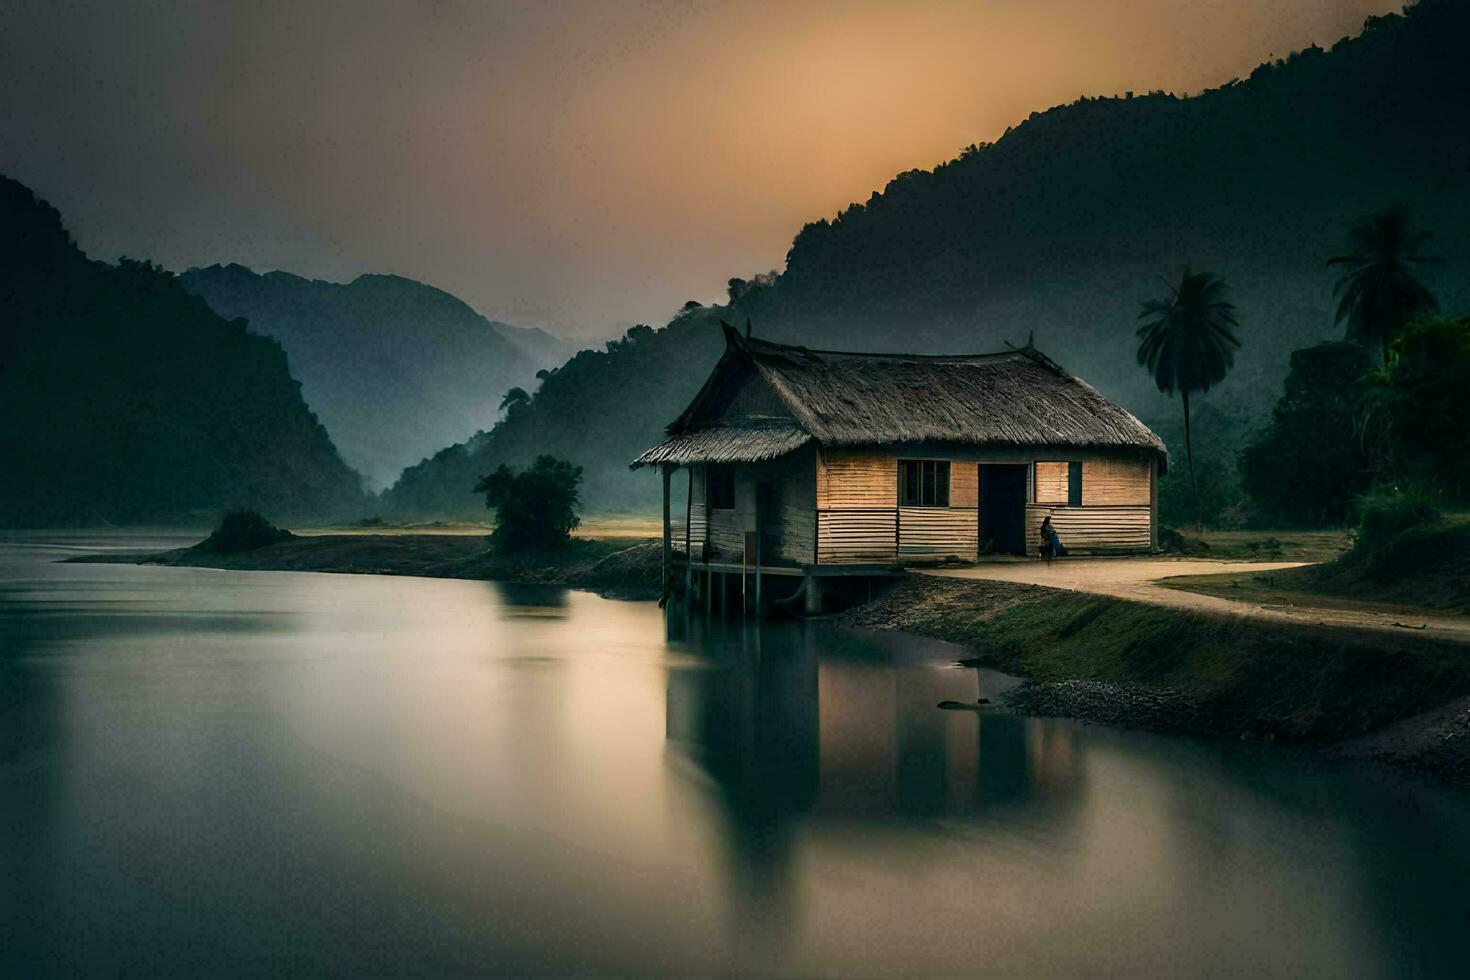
220 771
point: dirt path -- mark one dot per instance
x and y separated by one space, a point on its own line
1138 579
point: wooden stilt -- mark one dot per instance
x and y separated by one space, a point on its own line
668 533
689 537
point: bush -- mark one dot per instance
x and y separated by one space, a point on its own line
1384 514
536 508
1173 542
242 530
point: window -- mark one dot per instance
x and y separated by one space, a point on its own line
719 487
923 482
1059 482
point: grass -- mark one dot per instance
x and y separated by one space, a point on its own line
1268 545
1424 568
1241 677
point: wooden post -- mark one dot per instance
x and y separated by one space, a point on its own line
1153 504
668 531
813 604
689 539
758 537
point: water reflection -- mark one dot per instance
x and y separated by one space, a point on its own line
252 772
787 721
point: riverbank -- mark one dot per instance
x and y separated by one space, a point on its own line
1143 666
618 568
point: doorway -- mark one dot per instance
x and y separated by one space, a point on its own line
1003 508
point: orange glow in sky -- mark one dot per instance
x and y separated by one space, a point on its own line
581 166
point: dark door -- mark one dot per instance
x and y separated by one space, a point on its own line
1003 508
768 520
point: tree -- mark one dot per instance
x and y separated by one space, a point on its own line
1424 401
536 508
1187 343
513 398
1379 294
1308 466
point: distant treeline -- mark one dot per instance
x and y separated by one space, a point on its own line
126 400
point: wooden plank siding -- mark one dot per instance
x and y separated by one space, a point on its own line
1112 481
938 532
1091 530
964 484
849 536
840 506
789 522
1050 484
856 478
859 519
727 531
698 517
791 526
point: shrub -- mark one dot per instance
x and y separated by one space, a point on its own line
242 530
1384 514
536 508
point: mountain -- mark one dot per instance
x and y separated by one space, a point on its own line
589 410
1064 224
396 369
1057 231
127 400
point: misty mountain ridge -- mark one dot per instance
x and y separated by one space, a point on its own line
126 400
1058 231
394 368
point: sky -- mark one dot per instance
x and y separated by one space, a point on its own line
576 166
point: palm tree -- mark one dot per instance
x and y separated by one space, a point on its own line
1378 293
1187 343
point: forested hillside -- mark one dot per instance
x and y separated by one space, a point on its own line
394 368
590 410
125 399
1058 230
1068 221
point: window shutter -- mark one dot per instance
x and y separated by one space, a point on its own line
1074 484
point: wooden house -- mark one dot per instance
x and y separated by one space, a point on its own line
829 461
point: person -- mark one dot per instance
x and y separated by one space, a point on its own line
1051 542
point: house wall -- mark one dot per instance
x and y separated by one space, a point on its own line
789 512
840 506
698 515
859 520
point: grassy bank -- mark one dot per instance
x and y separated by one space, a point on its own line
1152 667
612 566
1281 545
1422 567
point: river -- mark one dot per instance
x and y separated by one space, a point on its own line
234 772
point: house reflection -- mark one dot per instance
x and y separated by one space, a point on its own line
802 726
805 719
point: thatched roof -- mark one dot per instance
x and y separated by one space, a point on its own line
1018 398
747 440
